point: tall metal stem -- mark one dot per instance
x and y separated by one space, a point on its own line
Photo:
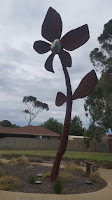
64 136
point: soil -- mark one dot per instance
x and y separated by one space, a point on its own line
76 186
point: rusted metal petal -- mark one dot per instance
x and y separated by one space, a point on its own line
60 99
65 58
49 63
52 25
41 47
86 85
75 38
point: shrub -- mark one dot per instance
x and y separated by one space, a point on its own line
95 177
22 160
66 178
72 167
58 185
108 165
12 161
94 168
85 174
46 175
10 183
1 172
31 179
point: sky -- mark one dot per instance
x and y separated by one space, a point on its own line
22 71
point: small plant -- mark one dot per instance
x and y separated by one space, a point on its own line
47 175
108 165
94 168
22 160
66 177
31 179
73 167
12 161
10 183
1 172
85 174
58 185
95 177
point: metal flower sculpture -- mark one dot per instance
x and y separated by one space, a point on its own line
51 31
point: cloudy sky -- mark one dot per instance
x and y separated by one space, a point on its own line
22 71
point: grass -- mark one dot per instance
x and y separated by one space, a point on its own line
69 154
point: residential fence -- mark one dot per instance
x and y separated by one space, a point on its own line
15 143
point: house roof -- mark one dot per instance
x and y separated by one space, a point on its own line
107 136
28 130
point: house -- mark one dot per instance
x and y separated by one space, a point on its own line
28 132
74 137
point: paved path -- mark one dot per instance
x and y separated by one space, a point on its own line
104 194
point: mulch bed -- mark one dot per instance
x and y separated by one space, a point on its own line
77 186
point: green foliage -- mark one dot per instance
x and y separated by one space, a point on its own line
99 103
34 107
93 133
58 185
53 125
31 179
10 183
6 123
62 179
76 126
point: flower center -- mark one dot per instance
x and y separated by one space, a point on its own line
56 46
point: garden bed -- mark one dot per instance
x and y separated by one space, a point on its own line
75 185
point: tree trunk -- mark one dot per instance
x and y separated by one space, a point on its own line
64 137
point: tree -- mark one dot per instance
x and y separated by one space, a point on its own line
99 103
93 133
53 125
34 108
76 126
6 123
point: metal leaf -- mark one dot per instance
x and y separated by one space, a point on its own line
41 47
65 58
52 25
75 38
60 99
49 63
86 85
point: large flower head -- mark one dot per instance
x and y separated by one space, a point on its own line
51 31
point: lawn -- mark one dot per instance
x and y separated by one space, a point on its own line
68 154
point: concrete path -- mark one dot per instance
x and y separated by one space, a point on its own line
104 194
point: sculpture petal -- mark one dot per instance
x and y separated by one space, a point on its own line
60 99
49 63
52 25
75 38
41 47
86 86
65 58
